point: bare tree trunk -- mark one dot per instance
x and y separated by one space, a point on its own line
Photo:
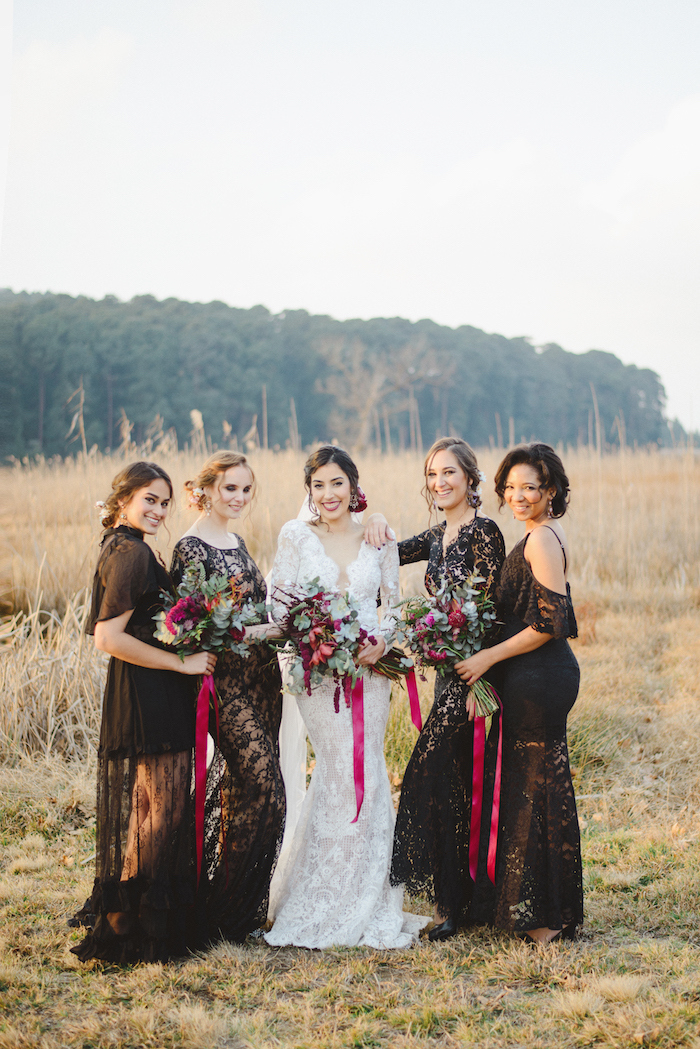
387 431
42 401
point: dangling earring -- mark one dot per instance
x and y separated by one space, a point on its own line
122 515
207 506
549 509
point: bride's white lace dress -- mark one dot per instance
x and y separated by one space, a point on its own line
335 889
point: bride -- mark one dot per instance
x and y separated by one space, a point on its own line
335 887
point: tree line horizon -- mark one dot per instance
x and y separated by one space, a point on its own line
103 373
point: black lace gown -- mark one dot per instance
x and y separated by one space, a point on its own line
431 840
242 837
538 865
144 871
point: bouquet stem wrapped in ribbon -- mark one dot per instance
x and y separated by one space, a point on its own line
322 636
207 615
440 631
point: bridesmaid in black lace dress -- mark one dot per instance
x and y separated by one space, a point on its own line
431 840
538 869
242 842
140 907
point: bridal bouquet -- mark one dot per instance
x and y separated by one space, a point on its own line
208 615
324 633
447 627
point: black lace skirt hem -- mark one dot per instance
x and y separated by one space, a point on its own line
155 921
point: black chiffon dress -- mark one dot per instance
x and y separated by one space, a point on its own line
538 865
144 870
245 798
431 839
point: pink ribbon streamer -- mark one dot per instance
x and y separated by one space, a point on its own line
414 702
496 806
477 793
358 743
201 726
479 747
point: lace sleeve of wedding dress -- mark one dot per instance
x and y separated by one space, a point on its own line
285 568
390 591
292 734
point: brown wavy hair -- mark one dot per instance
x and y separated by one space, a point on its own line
126 483
465 456
548 466
216 465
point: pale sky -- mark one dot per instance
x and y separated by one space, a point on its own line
530 168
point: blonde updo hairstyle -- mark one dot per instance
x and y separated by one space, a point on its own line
128 481
464 454
215 466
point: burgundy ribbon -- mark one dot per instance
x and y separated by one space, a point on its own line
358 743
201 726
413 700
478 798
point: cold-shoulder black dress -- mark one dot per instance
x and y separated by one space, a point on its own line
538 866
431 839
144 870
245 806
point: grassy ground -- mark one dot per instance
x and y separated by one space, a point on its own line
632 979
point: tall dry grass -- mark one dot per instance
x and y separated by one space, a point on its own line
634 521
633 525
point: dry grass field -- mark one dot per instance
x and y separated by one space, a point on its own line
634 976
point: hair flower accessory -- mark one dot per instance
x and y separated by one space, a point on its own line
482 475
101 507
195 498
358 503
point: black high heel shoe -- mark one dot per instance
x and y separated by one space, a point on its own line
443 931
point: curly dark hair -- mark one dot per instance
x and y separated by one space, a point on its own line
130 480
330 453
549 467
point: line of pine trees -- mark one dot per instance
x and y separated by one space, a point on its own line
79 370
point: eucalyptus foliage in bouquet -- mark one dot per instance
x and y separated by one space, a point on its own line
448 626
322 637
207 615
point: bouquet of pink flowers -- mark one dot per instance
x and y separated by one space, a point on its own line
447 627
207 615
322 636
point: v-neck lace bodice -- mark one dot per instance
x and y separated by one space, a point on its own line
301 557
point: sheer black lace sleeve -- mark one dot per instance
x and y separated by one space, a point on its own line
489 552
417 548
125 572
520 594
188 551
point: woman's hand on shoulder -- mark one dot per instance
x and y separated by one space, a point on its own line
369 653
198 664
377 531
544 554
